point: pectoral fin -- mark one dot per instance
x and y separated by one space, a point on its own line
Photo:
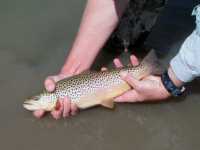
108 103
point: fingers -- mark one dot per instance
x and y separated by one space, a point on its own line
125 50
74 109
38 113
56 114
117 63
134 60
130 96
50 82
134 83
67 107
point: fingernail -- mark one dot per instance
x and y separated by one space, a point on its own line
132 57
65 115
123 73
73 113
116 60
57 118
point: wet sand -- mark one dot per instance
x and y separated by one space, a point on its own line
34 38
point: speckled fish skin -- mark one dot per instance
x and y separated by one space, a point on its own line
92 88
87 83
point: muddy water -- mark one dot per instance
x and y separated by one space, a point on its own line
34 38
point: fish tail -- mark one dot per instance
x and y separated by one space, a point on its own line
153 63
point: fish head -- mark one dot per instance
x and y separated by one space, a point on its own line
44 101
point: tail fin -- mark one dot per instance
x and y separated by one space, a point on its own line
153 63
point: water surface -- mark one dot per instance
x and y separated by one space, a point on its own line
34 38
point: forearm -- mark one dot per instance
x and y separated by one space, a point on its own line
99 20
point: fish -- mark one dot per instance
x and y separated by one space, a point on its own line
93 88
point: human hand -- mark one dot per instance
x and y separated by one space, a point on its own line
143 90
66 108
148 89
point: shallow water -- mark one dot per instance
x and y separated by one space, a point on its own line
34 38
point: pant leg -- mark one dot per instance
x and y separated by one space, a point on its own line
173 26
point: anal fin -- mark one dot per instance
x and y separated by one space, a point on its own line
108 103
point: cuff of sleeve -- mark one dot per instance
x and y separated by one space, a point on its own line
180 69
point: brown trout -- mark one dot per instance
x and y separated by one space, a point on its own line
93 88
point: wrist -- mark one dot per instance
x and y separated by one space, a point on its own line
79 59
164 91
74 66
173 77
172 84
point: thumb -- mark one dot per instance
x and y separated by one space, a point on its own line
50 82
134 83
